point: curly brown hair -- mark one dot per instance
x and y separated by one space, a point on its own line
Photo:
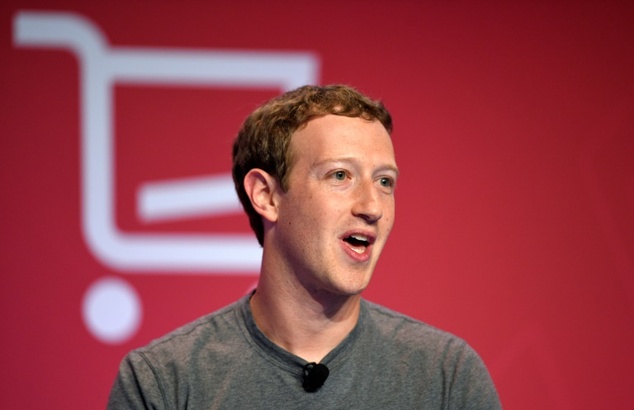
264 137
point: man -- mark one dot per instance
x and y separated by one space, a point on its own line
315 172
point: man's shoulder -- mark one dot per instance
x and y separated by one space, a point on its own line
408 331
446 364
218 328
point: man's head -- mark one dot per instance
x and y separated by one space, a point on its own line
264 139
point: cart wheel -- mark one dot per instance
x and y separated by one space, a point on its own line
112 310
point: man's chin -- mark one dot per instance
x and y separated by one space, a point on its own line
349 289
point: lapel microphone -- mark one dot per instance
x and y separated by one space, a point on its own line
315 374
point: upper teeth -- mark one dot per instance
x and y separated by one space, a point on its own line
359 237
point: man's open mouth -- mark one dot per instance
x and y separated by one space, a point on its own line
358 242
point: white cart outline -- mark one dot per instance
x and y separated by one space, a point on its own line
101 66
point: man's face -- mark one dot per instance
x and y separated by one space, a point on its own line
338 210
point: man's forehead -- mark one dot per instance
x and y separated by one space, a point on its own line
343 139
332 125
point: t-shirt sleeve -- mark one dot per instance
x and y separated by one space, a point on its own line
136 386
470 385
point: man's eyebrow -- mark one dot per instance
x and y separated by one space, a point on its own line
325 161
393 168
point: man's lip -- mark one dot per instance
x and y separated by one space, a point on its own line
359 252
369 236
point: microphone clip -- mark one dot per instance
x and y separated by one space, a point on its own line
315 374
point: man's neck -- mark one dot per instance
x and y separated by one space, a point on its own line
306 324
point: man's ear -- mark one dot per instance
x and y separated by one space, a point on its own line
261 189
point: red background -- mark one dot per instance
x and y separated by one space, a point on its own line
513 132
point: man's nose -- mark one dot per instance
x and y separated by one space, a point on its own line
367 204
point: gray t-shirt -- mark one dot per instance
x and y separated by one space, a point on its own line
223 361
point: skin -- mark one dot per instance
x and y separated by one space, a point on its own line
324 235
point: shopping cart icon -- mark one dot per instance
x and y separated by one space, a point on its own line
101 67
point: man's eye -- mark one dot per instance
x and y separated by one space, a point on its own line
386 182
339 175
